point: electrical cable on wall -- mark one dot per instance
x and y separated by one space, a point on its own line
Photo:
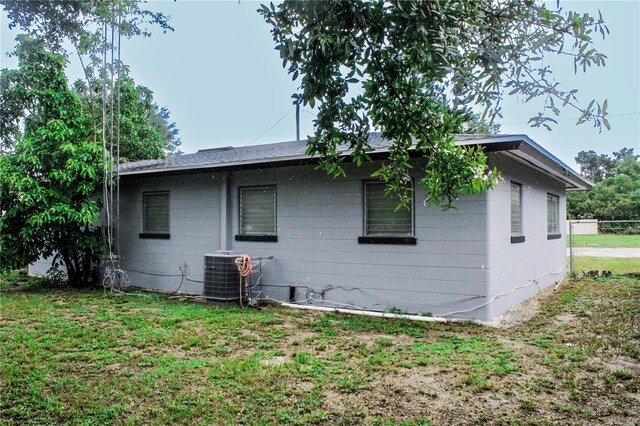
310 292
506 293
313 296
114 278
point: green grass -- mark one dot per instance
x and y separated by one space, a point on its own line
16 279
617 265
605 240
81 357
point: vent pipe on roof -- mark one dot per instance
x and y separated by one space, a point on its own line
298 122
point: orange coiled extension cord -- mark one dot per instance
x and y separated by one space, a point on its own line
245 268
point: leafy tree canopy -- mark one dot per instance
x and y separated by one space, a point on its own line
142 128
146 130
473 123
616 194
80 22
413 68
48 178
52 164
161 120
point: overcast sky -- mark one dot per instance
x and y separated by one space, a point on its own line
224 84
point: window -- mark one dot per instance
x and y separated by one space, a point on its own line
155 215
257 214
553 216
516 213
383 224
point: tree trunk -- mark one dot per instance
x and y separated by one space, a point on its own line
75 277
71 269
86 267
78 266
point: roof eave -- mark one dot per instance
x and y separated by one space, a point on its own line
532 154
520 147
227 165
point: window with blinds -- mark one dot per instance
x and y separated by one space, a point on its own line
380 215
516 209
258 210
553 214
155 212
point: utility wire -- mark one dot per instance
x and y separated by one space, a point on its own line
309 112
271 128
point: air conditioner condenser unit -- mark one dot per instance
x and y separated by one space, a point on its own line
221 277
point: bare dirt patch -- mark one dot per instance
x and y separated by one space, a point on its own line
522 313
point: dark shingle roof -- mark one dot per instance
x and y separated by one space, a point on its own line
220 157
238 157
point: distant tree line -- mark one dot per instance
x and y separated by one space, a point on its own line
616 194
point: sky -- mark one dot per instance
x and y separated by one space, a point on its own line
222 80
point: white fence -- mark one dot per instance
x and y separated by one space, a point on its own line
583 226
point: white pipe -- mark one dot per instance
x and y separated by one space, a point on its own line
381 314
558 284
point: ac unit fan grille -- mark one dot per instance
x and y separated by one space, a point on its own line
221 278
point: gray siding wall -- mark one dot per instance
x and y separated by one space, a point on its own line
462 258
319 221
194 230
40 267
537 258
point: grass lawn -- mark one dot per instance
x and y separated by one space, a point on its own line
617 265
605 240
74 357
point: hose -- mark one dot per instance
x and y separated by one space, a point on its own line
245 268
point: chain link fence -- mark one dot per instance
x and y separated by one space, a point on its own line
597 248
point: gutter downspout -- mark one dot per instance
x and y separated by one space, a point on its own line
224 210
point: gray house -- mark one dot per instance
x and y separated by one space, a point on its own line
339 242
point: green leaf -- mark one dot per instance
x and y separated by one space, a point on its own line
422 69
